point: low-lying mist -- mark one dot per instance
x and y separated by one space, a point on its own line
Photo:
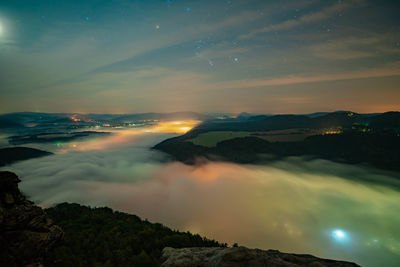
318 207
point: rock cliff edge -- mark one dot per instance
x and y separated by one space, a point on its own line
242 256
26 234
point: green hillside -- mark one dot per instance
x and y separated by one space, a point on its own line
103 237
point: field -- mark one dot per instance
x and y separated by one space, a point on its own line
210 139
288 135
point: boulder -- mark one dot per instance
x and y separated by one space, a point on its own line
241 256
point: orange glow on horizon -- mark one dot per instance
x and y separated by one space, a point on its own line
75 119
121 137
179 127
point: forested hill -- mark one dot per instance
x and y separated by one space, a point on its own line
103 237
339 136
10 155
343 119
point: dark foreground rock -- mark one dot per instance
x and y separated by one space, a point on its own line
241 256
26 234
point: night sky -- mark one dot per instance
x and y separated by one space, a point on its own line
205 56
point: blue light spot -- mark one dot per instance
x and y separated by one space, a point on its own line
236 59
188 9
340 236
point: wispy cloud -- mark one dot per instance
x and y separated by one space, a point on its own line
389 70
223 50
323 14
355 47
347 48
231 21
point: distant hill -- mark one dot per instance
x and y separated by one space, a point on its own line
386 120
52 137
370 139
382 151
5 123
342 119
12 154
280 122
22 118
29 117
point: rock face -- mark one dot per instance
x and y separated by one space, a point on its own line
26 234
241 256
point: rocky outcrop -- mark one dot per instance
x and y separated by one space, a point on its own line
241 256
26 234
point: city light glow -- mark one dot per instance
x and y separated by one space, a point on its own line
179 127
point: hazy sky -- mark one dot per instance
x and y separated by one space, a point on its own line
215 56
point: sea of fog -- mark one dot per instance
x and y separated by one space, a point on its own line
317 207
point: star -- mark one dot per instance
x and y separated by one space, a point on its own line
157 27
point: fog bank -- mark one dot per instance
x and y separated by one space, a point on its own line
293 205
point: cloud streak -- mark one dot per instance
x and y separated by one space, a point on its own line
299 79
313 17
355 47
